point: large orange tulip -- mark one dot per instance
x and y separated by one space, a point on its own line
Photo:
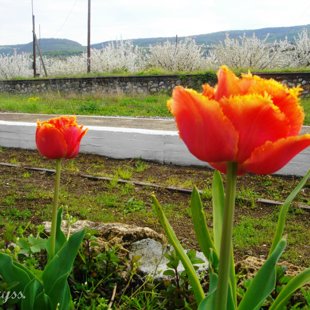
59 137
249 120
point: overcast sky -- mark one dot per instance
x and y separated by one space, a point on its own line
130 19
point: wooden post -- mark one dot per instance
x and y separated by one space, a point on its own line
88 38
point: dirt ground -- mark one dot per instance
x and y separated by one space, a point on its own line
26 194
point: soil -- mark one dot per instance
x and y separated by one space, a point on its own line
26 195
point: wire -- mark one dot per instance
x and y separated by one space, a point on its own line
66 19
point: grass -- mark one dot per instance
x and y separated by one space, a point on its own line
110 201
97 104
306 106
52 103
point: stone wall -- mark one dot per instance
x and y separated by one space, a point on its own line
134 84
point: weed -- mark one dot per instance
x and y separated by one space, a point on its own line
13 161
126 189
9 201
245 233
26 175
17 214
141 166
124 173
71 166
107 200
114 182
133 205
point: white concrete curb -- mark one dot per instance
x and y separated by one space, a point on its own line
116 142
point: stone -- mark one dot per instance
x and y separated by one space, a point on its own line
142 244
124 233
150 255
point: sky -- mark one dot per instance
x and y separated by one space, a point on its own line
132 19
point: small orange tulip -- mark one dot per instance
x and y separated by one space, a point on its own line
249 120
59 137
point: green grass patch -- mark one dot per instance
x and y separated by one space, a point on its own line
139 105
306 105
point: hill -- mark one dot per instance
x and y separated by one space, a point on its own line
51 47
63 47
276 33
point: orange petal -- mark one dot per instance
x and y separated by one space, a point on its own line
256 119
286 99
50 142
208 91
63 122
206 131
228 84
271 157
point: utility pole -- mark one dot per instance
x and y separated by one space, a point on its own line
33 42
88 38
40 54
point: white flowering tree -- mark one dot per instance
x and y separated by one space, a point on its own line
17 65
251 52
183 55
301 51
65 66
120 56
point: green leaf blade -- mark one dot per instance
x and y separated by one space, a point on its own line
58 269
264 281
294 284
190 270
284 209
200 226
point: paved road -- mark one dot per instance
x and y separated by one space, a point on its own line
127 122
107 121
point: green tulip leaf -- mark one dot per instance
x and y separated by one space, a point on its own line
60 236
32 292
14 274
287 291
61 291
42 302
200 226
58 269
190 270
207 303
284 209
213 279
264 281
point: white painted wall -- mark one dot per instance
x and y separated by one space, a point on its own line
115 142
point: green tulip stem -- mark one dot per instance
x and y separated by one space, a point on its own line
226 239
55 207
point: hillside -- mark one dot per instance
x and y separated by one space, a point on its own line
48 47
64 47
278 33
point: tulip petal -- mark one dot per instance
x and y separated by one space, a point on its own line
230 85
206 131
284 98
50 142
256 119
271 157
73 136
208 91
